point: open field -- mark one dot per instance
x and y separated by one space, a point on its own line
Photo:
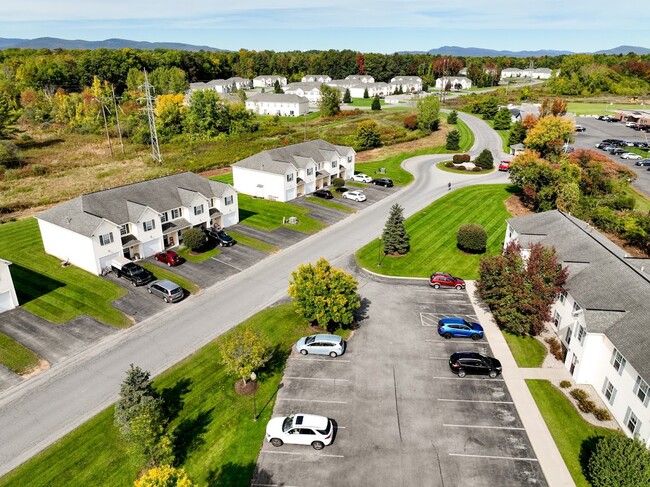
433 234
581 108
570 432
55 293
215 437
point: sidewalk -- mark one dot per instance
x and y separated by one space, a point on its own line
550 460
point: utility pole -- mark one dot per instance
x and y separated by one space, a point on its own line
108 137
117 118
153 135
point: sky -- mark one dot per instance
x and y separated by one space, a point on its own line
362 25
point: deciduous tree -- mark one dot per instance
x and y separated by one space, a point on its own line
396 240
368 135
244 351
330 102
164 476
549 135
429 114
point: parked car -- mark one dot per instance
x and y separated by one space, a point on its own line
323 193
300 429
613 119
580 128
386 182
355 195
642 162
169 257
631 156
170 292
222 238
321 344
459 327
616 150
342 189
361 178
504 165
463 363
134 273
442 279
631 124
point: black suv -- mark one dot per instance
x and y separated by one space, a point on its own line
222 238
463 363
386 182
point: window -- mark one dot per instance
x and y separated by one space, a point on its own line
124 229
310 171
176 213
349 158
581 334
617 361
567 339
163 217
198 210
609 391
106 239
228 200
576 308
289 177
557 319
562 297
641 390
149 225
333 164
632 422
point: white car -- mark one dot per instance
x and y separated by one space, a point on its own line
300 429
355 195
630 124
630 155
361 178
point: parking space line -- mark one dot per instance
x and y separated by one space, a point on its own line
315 378
439 358
467 378
333 361
515 428
226 263
311 400
451 340
272 485
475 400
298 454
494 457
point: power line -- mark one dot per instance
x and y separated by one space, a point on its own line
153 135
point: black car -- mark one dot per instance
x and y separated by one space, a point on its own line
386 182
580 128
323 193
616 150
463 363
222 238
642 162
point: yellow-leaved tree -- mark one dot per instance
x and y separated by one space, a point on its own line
549 134
164 476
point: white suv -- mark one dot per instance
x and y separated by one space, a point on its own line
300 429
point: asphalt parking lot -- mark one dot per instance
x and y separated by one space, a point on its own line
597 130
403 417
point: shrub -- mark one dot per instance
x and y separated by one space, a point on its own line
475 169
555 347
453 140
585 404
338 182
411 122
472 237
449 164
579 394
459 158
9 155
452 118
565 383
460 168
39 170
602 414
194 238
485 159
376 104
620 461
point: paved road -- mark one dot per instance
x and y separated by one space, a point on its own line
37 412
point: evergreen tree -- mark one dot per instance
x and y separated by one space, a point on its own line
133 391
485 159
517 133
394 236
347 98
502 119
365 93
452 118
376 104
453 140
277 88
621 461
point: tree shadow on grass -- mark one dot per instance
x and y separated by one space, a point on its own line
234 475
31 285
586 450
173 397
188 435
276 363
37 144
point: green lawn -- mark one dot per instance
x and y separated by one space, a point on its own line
200 257
642 202
466 136
433 234
637 150
55 293
224 178
571 433
162 273
16 357
217 441
331 204
364 102
528 351
267 215
580 108
253 243
442 167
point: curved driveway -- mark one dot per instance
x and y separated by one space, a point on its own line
39 411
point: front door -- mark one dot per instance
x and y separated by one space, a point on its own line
574 362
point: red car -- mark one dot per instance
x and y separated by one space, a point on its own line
504 166
442 279
170 258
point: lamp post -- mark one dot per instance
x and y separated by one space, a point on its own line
254 378
379 253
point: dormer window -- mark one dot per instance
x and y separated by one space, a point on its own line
163 217
289 177
198 210
124 229
333 164
228 200
176 213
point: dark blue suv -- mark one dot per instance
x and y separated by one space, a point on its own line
459 327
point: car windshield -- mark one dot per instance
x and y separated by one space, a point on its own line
309 340
136 271
287 423
223 235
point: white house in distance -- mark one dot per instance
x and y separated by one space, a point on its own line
136 220
532 73
456 83
310 90
408 83
360 78
285 173
603 317
268 81
278 104
316 78
8 298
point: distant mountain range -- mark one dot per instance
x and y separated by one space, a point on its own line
55 43
479 52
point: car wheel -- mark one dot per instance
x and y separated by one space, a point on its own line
304 352
169 264
436 286
318 445
447 335
333 354
462 373
166 300
459 287
492 374
276 442
149 290
133 284
475 336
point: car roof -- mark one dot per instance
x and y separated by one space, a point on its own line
327 337
310 421
458 355
452 319
166 284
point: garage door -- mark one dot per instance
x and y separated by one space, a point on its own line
290 194
5 302
150 248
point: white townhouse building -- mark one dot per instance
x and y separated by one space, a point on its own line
511 73
8 298
285 173
286 105
456 82
267 81
360 78
218 85
136 220
411 84
531 73
519 112
316 78
241 83
603 316
310 90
